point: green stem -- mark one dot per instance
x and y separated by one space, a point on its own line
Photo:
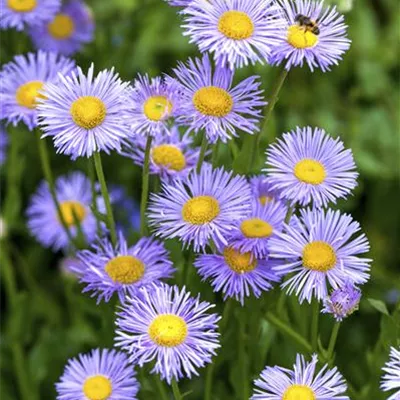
243 354
289 213
104 191
214 157
45 161
204 144
288 331
314 325
267 115
175 390
145 186
225 314
209 381
92 177
161 388
332 341
25 388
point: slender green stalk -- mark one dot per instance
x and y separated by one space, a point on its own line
92 177
288 331
209 381
289 213
25 388
225 314
45 161
314 325
145 187
104 191
332 341
243 353
267 115
161 388
204 144
175 390
214 157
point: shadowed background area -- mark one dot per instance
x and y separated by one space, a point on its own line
358 101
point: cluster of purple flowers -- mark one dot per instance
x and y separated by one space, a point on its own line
248 233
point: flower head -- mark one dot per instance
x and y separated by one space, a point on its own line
237 274
122 269
21 13
171 155
210 102
391 377
165 324
343 301
320 249
75 197
101 374
151 104
67 31
237 32
201 208
311 34
277 383
23 80
3 144
262 190
83 114
253 232
308 166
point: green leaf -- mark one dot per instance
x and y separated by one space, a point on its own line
379 305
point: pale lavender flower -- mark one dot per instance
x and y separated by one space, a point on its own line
391 377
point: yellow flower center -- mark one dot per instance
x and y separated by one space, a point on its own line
28 93
97 387
265 199
299 392
300 37
168 330
71 210
200 210
213 101
88 112
167 155
256 228
62 26
157 108
319 256
239 262
310 171
236 25
22 5
125 269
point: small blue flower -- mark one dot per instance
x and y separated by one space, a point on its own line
262 189
210 103
100 374
67 32
277 383
343 301
165 324
391 378
122 269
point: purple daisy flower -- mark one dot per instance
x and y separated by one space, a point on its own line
23 80
83 114
319 249
309 166
20 13
253 232
391 378
75 197
67 32
171 155
122 269
312 33
276 383
151 103
210 102
202 208
3 145
262 190
343 301
101 374
237 274
165 324
237 32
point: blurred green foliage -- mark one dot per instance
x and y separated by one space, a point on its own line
359 100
